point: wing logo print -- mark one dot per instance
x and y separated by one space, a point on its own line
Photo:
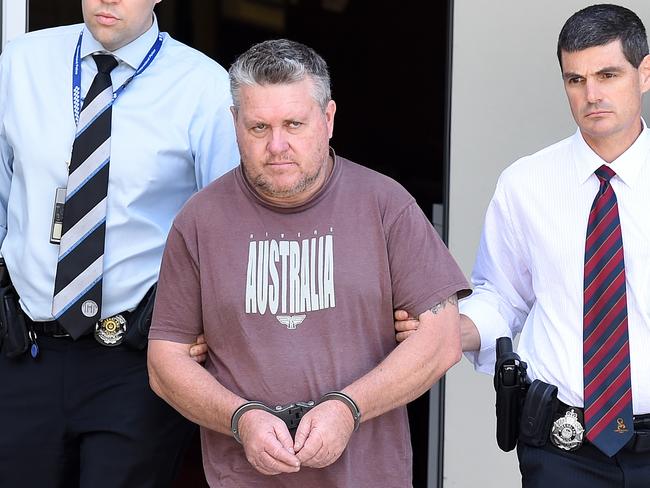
291 321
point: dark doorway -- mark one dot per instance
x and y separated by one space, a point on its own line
389 66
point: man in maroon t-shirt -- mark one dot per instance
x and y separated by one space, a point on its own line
291 266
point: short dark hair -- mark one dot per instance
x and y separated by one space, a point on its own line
598 25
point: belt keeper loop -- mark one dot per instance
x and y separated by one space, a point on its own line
351 404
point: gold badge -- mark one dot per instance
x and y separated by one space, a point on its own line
110 331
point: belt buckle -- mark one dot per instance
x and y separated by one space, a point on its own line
110 331
567 432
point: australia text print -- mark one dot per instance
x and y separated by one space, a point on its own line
289 276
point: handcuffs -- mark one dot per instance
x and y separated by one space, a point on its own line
292 413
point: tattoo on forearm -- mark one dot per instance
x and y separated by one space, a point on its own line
453 300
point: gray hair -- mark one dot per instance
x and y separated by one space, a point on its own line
280 61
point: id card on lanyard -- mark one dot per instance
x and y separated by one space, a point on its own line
76 73
59 201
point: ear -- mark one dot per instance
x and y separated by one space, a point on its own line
644 74
329 116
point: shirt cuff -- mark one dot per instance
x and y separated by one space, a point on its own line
491 325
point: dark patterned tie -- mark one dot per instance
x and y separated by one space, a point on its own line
606 350
78 285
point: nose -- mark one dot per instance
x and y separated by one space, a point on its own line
593 92
278 143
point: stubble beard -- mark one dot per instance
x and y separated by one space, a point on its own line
265 186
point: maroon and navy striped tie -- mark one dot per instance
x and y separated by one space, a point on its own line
606 349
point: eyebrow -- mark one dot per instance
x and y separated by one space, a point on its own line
606 69
567 75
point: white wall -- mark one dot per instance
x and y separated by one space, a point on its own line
507 101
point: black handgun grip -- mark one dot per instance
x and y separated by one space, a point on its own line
4 273
504 346
13 329
508 368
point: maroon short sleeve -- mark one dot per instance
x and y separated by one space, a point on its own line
177 314
423 272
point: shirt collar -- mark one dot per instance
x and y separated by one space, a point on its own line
132 54
627 166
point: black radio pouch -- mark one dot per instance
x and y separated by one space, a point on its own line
537 413
137 331
16 340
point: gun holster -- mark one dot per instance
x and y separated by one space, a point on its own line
511 384
14 339
137 332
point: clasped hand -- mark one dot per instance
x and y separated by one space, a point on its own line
321 437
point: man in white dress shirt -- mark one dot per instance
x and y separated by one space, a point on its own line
529 277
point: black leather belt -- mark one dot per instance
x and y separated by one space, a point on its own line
51 328
640 441
640 421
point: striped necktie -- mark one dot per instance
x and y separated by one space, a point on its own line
606 350
78 285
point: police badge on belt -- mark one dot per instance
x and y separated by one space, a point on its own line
110 331
567 432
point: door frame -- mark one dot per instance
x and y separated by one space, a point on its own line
13 19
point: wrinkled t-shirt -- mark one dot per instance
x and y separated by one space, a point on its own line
296 302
